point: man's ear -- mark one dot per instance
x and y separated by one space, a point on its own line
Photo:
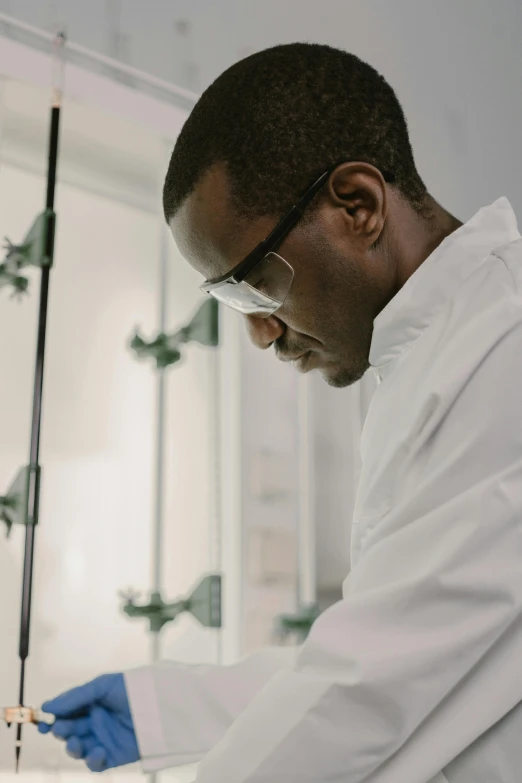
360 191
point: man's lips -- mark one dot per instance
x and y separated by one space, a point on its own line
291 357
302 361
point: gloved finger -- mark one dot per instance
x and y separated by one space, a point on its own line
73 702
44 728
97 760
62 729
80 747
74 748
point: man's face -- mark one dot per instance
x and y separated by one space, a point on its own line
340 281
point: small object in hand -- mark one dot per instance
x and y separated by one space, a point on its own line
25 715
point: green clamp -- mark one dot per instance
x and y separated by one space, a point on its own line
204 603
35 250
204 326
14 507
18 283
298 624
165 349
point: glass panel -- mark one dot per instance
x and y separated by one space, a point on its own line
96 449
99 417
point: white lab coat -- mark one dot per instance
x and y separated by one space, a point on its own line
415 676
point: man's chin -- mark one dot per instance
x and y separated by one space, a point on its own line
340 377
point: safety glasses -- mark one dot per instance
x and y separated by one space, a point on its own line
260 283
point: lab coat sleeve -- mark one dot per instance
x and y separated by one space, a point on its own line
424 652
181 710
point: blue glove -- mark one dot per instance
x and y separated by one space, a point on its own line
96 722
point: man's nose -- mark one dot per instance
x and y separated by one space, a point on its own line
264 331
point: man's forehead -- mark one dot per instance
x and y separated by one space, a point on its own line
206 229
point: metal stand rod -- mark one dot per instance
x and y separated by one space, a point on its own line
157 557
215 477
34 468
157 564
158 536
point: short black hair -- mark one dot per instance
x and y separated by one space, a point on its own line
281 117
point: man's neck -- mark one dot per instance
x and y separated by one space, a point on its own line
420 236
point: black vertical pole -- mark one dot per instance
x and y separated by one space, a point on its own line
34 467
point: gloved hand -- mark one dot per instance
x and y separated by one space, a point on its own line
96 722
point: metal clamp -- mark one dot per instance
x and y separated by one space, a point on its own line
204 603
165 348
298 624
35 250
14 507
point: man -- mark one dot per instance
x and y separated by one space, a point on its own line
416 675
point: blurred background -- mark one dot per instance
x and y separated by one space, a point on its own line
261 464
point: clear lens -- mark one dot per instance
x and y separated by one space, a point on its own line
272 277
262 292
245 299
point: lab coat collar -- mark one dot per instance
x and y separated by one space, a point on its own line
413 308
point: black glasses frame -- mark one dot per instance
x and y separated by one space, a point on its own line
274 239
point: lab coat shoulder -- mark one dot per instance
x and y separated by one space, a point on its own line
459 397
181 710
441 395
